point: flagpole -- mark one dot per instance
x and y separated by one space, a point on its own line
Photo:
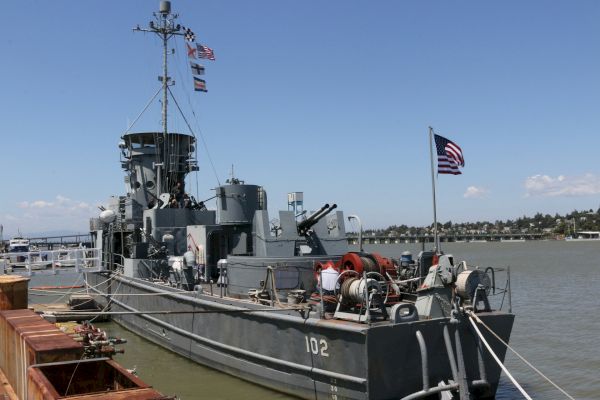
435 229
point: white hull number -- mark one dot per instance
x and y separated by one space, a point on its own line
317 347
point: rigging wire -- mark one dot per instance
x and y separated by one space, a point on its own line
187 95
144 110
190 128
181 79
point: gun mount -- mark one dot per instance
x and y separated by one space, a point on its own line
305 225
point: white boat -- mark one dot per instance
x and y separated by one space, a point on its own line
584 236
18 250
18 245
22 255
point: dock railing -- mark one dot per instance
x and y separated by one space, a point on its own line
51 262
500 291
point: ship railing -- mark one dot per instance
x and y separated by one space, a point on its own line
51 262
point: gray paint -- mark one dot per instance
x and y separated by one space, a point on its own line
363 362
236 203
376 361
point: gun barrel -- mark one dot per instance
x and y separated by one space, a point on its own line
311 217
316 213
305 225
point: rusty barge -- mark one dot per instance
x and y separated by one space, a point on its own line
38 361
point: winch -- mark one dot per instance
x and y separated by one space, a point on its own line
362 285
369 262
473 287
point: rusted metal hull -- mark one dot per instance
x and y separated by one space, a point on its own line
13 292
40 362
28 339
87 379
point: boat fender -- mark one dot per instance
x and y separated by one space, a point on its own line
403 312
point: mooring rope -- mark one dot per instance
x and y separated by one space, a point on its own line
104 295
521 357
108 303
62 294
167 312
52 293
500 364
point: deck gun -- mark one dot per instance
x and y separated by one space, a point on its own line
311 220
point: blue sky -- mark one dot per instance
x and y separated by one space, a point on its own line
330 98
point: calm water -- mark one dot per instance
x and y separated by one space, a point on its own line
557 326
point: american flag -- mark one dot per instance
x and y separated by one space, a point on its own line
205 52
450 156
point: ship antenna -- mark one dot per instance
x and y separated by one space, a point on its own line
165 28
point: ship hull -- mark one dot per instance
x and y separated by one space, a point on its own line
300 355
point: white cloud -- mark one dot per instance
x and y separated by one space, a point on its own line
544 185
474 192
60 213
62 199
41 204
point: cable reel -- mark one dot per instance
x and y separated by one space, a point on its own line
369 262
352 288
473 286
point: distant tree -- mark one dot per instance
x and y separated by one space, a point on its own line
560 225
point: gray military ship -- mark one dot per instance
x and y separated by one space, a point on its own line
283 302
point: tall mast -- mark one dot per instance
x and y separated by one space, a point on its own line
165 78
165 28
436 242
